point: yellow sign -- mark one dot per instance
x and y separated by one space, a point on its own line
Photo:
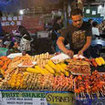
60 98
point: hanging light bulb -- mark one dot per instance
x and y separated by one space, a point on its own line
21 12
100 7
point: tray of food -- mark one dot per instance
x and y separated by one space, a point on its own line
79 67
27 63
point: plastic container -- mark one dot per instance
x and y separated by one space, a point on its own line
3 51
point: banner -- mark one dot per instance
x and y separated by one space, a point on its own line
35 98
45 98
22 98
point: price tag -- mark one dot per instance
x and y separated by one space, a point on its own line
40 101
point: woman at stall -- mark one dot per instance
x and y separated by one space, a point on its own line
25 40
55 32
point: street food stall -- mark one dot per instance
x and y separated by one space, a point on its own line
47 79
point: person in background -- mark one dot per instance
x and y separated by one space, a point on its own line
90 21
95 30
25 41
55 32
102 27
1 43
8 41
78 35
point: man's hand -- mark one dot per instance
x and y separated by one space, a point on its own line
80 52
69 52
86 46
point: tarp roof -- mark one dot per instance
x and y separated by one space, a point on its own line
10 5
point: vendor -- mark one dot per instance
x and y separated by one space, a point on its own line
55 32
78 35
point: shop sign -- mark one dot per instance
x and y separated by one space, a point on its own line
35 98
22 98
60 98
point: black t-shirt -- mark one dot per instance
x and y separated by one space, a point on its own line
76 37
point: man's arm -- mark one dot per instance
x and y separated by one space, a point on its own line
60 41
85 47
61 44
63 48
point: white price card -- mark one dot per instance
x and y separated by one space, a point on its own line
12 23
4 18
40 101
9 18
93 12
15 18
7 23
88 11
3 23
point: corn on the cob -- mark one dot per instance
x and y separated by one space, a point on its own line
98 61
32 70
49 69
52 65
61 68
66 73
102 60
45 71
63 65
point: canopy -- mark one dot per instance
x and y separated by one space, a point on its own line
10 5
